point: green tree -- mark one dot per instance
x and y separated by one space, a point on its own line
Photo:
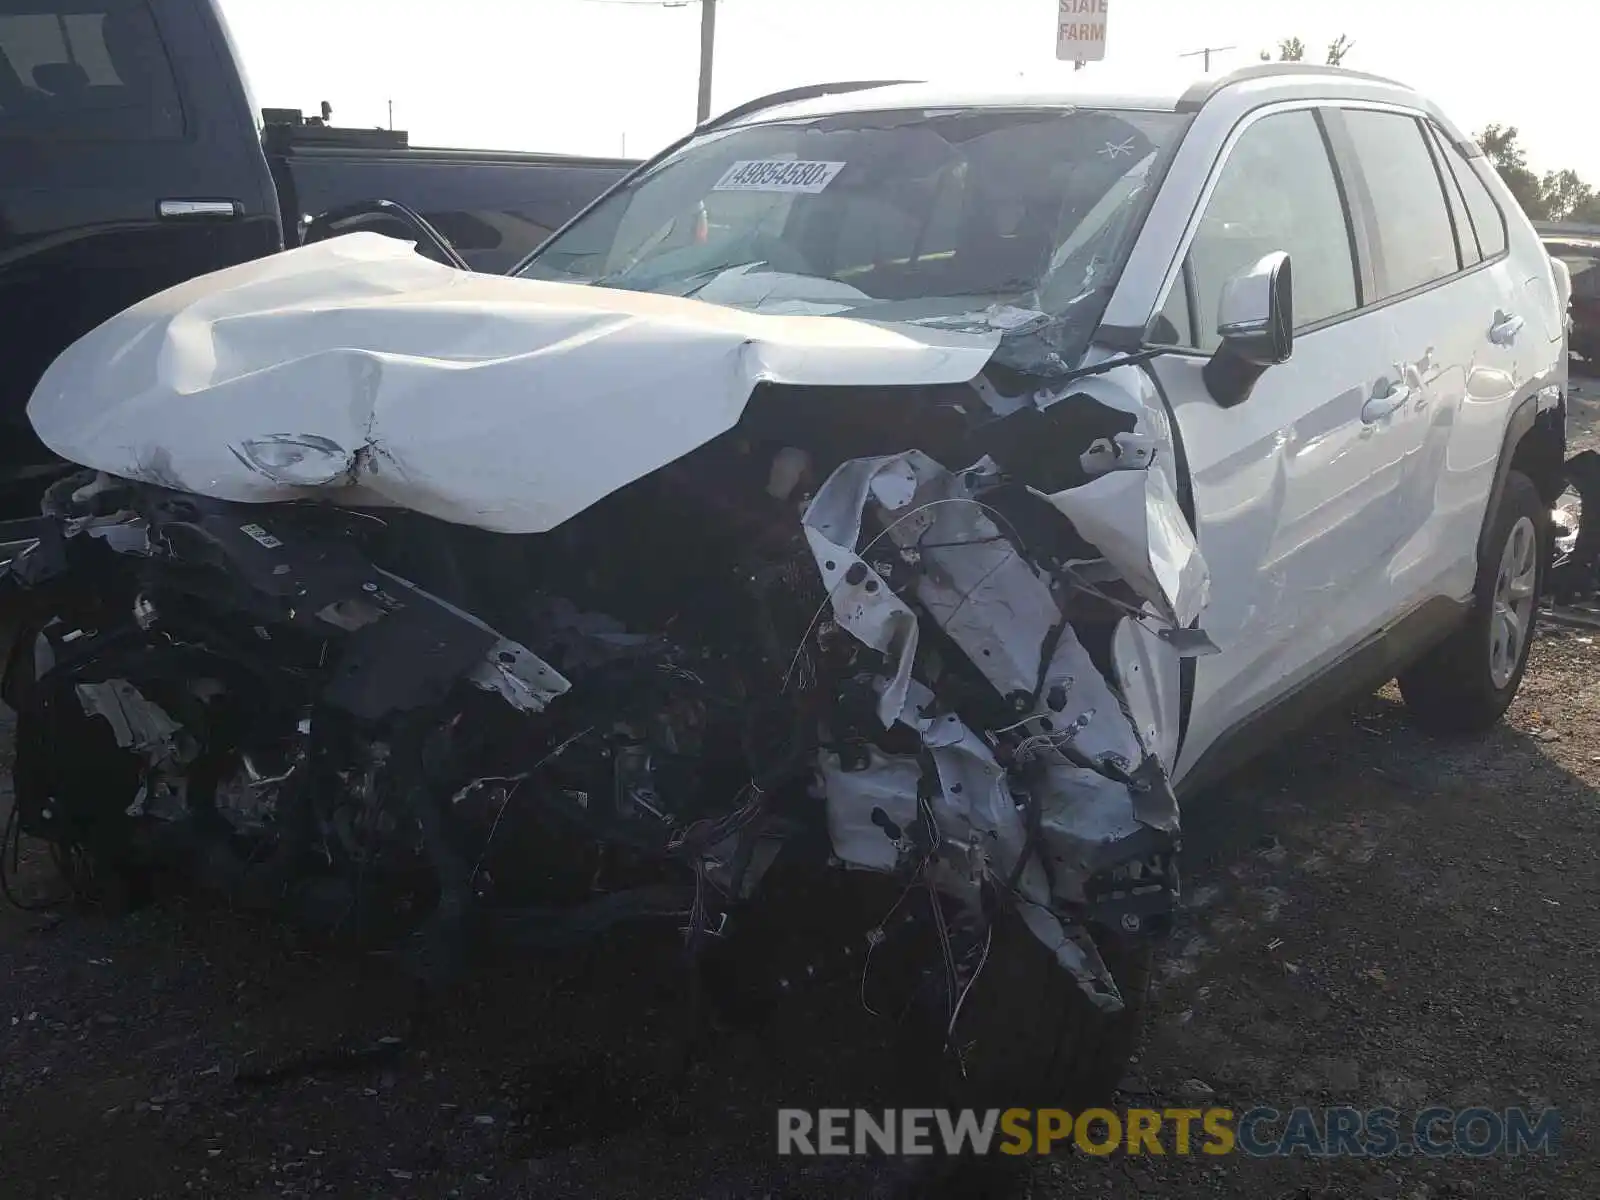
1564 195
1500 145
1337 49
1292 49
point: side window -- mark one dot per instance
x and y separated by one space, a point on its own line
85 69
1415 242
1488 222
1466 240
1277 191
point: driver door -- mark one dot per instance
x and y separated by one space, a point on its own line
1293 505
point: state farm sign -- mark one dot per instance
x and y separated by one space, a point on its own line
1081 30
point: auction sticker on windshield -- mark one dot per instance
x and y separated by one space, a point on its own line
777 175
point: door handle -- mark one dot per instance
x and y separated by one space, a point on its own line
1505 328
177 209
1382 405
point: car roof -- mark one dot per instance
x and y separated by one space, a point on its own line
1261 83
1239 91
1005 94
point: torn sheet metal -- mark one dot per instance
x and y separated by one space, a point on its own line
1088 757
1134 519
871 810
355 370
1076 954
1146 676
973 583
862 602
1145 536
523 679
137 723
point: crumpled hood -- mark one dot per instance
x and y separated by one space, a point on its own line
360 372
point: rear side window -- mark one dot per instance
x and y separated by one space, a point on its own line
1488 222
85 69
1415 240
1466 240
1276 191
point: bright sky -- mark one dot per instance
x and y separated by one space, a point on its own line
579 76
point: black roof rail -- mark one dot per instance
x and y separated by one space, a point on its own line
1198 93
794 95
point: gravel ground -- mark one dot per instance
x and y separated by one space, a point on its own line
1372 918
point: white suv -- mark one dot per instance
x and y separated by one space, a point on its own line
1337 319
987 471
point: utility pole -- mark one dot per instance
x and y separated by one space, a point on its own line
391 116
1207 52
708 42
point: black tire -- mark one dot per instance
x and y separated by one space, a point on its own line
1035 1038
1030 1038
1456 689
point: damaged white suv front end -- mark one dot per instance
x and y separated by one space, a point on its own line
783 493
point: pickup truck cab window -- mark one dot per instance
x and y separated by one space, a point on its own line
1276 191
1415 242
85 69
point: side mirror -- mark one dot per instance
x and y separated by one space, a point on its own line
1255 320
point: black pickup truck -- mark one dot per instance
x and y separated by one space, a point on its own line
132 158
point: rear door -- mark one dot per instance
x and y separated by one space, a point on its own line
129 161
1460 333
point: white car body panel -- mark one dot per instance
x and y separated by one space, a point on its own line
1321 531
508 404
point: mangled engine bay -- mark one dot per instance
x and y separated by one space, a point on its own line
879 660
928 633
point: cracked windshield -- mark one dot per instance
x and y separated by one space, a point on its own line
986 220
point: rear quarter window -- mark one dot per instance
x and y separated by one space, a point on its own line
85 70
1488 222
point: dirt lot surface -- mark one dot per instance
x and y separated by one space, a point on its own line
1372 918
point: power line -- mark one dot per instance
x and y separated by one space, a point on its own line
1207 51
